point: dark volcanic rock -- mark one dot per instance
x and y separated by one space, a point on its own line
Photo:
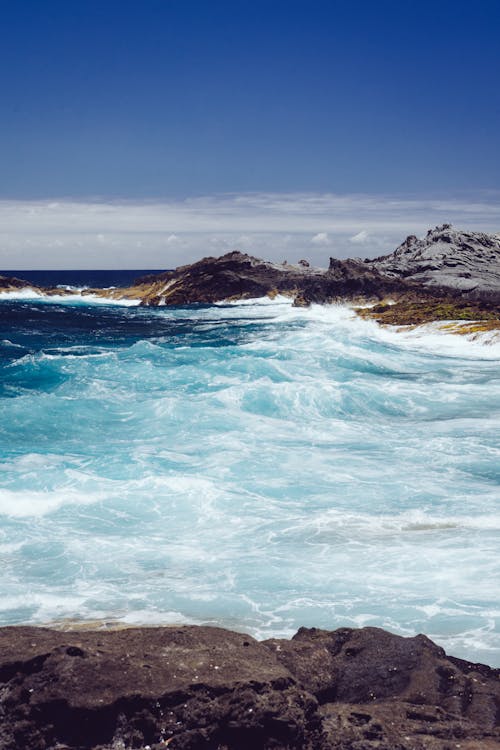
13 284
447 258
198 687
10 283
239 276
232 276
204 687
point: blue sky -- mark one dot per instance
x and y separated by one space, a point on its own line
169 100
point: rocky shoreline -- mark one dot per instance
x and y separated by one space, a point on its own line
206 688
447 275
195 687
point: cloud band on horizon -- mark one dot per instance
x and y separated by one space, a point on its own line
277 226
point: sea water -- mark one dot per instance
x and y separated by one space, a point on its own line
253 465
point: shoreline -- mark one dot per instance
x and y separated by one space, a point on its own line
455 317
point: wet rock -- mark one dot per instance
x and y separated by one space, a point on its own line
198 687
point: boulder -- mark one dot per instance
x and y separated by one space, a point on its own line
201 687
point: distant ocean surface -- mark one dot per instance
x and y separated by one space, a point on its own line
250 465
81 279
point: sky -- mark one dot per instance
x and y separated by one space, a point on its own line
149 133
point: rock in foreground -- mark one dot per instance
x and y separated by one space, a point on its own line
199 687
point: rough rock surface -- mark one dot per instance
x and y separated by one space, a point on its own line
240 276
199 687
11 283
447 258
232 276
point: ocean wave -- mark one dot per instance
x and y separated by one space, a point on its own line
29 293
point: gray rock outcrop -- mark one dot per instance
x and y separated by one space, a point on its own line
447 258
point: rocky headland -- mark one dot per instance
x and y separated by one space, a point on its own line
13 284
191 687
447 265
449 275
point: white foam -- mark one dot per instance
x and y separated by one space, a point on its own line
28 293
21 294
96 300
430 337
24 503
410 522
6 342
265 301
47 606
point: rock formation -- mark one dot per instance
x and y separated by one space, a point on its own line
232 276
447 258
11 283
240 276
446 264
189 688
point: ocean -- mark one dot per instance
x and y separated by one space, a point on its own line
249 465
100 279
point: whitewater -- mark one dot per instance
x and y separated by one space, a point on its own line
250 465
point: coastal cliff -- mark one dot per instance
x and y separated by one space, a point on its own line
191 687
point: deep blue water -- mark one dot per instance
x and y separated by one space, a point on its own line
81 279
254 465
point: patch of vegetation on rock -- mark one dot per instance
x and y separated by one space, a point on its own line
405 312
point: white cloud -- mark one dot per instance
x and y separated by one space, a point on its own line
360 238
321 238
106 234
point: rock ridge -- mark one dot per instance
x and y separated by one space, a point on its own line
194 687
446 264
447 258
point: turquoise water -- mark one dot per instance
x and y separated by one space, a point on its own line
253 465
